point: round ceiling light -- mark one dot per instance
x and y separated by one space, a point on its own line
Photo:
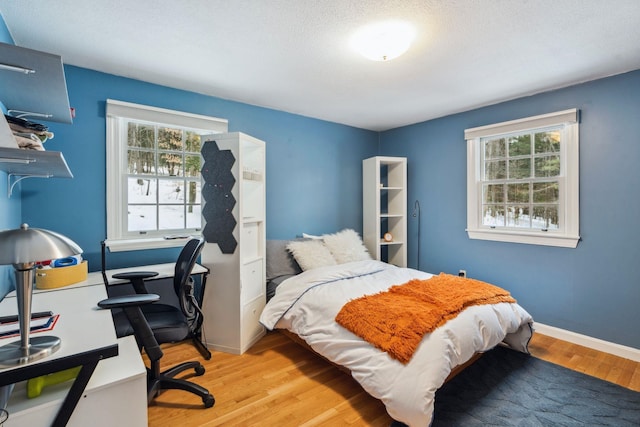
383 41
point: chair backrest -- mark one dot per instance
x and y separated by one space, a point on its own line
182 282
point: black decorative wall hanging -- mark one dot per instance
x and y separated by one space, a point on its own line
216 192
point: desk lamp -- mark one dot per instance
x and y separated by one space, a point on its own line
24 247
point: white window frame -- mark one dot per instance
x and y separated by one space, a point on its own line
568 233
118 113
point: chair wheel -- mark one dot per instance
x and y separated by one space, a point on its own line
199 370
208 401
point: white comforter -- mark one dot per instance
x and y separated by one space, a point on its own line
308 303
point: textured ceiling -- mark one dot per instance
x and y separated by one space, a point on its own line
294 55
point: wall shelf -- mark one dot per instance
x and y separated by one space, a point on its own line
43 92
34 87
20 164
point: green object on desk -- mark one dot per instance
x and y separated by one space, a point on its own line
35 385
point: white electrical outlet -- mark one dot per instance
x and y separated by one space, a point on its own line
462 273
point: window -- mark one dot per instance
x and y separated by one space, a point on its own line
153 174
522 180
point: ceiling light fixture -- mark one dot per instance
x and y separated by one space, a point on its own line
383 41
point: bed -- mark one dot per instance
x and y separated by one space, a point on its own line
307 292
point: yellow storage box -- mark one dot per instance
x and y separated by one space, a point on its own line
52 278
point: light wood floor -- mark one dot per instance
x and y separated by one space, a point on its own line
278 383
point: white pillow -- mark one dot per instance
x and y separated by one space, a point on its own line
346 246
311 254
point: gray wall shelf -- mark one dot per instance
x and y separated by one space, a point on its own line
34 88
42 92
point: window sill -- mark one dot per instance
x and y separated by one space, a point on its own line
562 241
122 245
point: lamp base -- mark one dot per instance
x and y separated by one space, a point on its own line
13 354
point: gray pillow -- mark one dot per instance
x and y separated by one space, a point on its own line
280 262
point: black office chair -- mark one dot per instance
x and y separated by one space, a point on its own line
168 322
156 381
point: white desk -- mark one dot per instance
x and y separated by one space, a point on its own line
164 271
87 338
113 394
116 395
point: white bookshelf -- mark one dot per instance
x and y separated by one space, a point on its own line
235 293
384 208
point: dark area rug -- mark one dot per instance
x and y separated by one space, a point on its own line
508 388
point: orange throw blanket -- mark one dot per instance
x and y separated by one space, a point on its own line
395 321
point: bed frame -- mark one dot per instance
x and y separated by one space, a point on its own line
293 337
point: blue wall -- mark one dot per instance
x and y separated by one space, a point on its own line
9 208
593 289
314 178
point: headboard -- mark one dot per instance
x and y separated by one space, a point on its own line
280 265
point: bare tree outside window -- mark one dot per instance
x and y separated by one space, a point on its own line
163 164
520 180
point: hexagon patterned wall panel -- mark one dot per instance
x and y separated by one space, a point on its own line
219 201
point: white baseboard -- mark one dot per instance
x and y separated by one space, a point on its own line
590 342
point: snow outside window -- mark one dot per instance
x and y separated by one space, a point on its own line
153 174
522 180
